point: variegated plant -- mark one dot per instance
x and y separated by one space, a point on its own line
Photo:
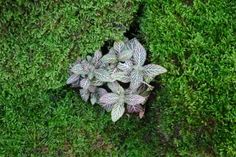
124 63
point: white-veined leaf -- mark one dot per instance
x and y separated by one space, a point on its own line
134 108
117 111
109 58
119 46
72 79
97 83
107 107
115 87
120 76
84 94
136 79
85 83
126 67
103 75
134 99
125 55
152 70
92 89
101 92
97 56
77 69
109 98
139 53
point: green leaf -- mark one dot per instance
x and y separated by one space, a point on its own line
120 76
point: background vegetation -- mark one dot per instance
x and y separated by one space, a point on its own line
191 113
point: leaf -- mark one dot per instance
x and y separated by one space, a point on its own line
134 99
85 83
109 58
126 67
152 70
107 107
77 69
72 79
134 108
97 56
84 94
89 58
136 79
125 55
103 75
109 98
120 76
115 87
141 114
101 92
117 111
85 66
93 98
139 53
119 46
92 89
97 83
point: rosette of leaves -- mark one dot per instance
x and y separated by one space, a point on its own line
118 98
124 63
139 73
120 52
83 75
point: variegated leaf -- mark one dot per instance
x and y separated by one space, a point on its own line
115 87
84 94
97 56
119 46
77 69
73 78
134 108
101 92
103 75
125 55
134 99
109 58
107 107
117 111
85 66
136 79
85 83
152 70
109 98
97 83
93 98
139 53
92 89
120 76
126 67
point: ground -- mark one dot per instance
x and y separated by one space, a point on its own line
190 113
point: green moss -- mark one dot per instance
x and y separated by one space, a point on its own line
40 39
196 43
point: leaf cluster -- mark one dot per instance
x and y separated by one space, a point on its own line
100 77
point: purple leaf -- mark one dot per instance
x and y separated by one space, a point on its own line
72 79
134 108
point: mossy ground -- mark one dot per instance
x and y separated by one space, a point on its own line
191 113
